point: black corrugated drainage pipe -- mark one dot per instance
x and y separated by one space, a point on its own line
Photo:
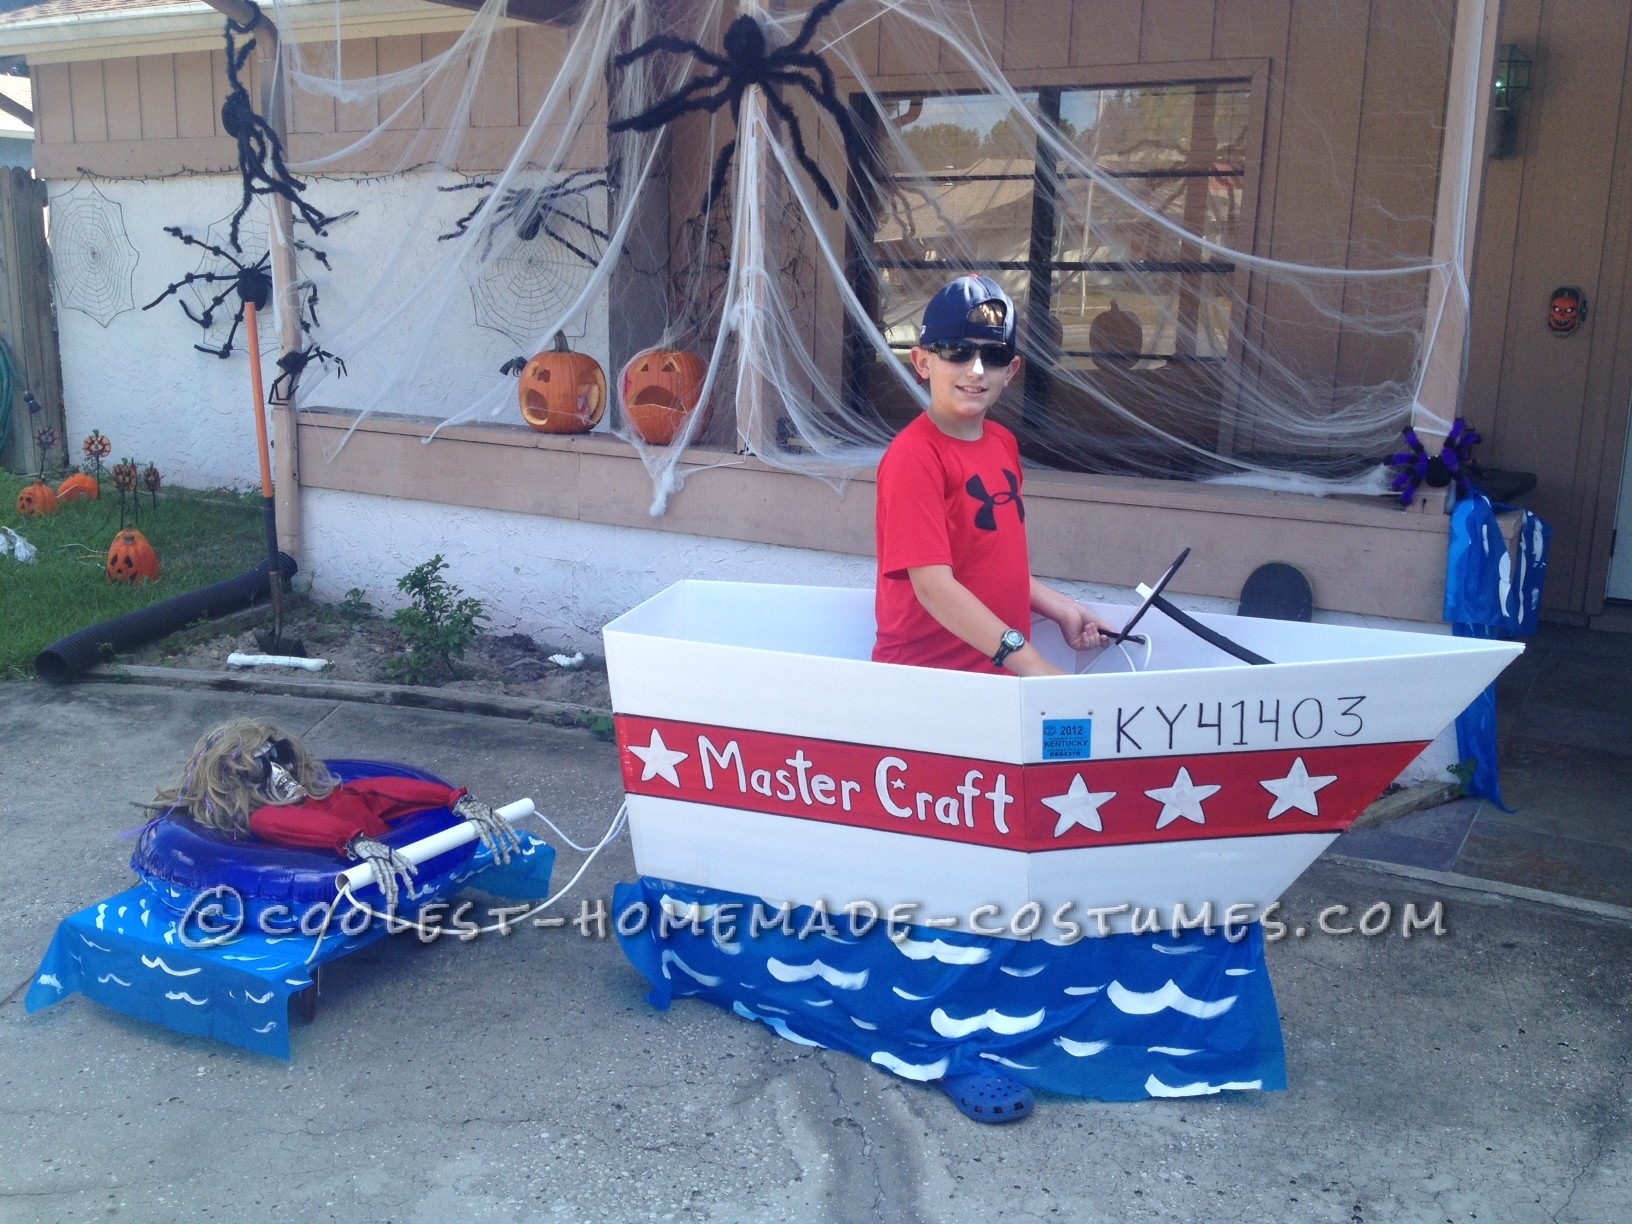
63 660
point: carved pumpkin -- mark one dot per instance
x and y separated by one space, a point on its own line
1116 337
562 391
37 499
79 487
660 389
131 558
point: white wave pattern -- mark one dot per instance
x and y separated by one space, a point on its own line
1148 1003
836 978
669 958
780 1026
105 978
1175 949
1005 1026
921 1072
89 944
1080 1049
1237 972
262 998
1007 1062
51 980
157 962
1176 1051
910 998
862 1024
184 997
1083 990
939 949
267 1027
1156 1088
1022 973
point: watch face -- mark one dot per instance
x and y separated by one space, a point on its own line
1014 639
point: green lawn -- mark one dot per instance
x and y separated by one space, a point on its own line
201 537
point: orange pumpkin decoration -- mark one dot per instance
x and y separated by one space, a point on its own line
79 487
1117 337
562 391
37 499
660 390
131 558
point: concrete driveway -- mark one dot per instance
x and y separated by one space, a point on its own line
1478 1075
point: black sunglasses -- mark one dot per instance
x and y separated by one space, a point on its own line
274 752
961 352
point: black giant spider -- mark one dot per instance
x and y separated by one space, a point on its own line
252 282
260 154
748 60
539 208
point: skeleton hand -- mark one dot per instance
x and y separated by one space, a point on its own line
494 830
388 866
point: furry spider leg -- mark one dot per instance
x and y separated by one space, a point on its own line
785 112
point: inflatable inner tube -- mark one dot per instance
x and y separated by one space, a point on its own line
181 861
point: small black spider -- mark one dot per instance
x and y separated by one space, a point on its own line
532 210
292 364
748 60
260 153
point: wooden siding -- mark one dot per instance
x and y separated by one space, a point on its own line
154 115
1556 214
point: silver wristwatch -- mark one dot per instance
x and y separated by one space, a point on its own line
1012 640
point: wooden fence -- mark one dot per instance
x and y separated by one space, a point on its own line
27 325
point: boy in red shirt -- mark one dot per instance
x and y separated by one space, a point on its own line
954 578
955 588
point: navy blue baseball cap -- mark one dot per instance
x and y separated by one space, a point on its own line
950 314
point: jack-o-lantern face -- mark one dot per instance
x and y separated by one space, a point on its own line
1567 312
37 499
661 388
562 391
131 558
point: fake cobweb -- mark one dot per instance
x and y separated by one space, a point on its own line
93 263
1181 314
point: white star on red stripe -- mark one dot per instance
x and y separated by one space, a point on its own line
1079 806
659 760
1183 798
1296 790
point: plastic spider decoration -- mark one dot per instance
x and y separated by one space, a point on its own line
252 282
260 153
1415 467
292 365
535 210
748 60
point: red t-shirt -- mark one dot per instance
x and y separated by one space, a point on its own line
945 501
363 805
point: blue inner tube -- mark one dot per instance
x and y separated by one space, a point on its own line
179 860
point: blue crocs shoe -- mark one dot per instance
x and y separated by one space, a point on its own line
988 1098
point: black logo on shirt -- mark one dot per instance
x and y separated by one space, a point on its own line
986 516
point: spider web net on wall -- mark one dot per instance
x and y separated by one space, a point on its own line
93 263
1186 323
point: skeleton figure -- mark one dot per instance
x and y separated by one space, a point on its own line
247 779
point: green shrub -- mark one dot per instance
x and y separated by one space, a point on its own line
438 625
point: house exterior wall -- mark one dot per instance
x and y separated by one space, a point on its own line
1556 214
143 117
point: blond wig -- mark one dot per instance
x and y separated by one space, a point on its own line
222 784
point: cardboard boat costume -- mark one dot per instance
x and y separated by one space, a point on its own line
771 767
236 912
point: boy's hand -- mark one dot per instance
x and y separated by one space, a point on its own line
1083 630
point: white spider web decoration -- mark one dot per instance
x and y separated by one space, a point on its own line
254 239
93 263
531 281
